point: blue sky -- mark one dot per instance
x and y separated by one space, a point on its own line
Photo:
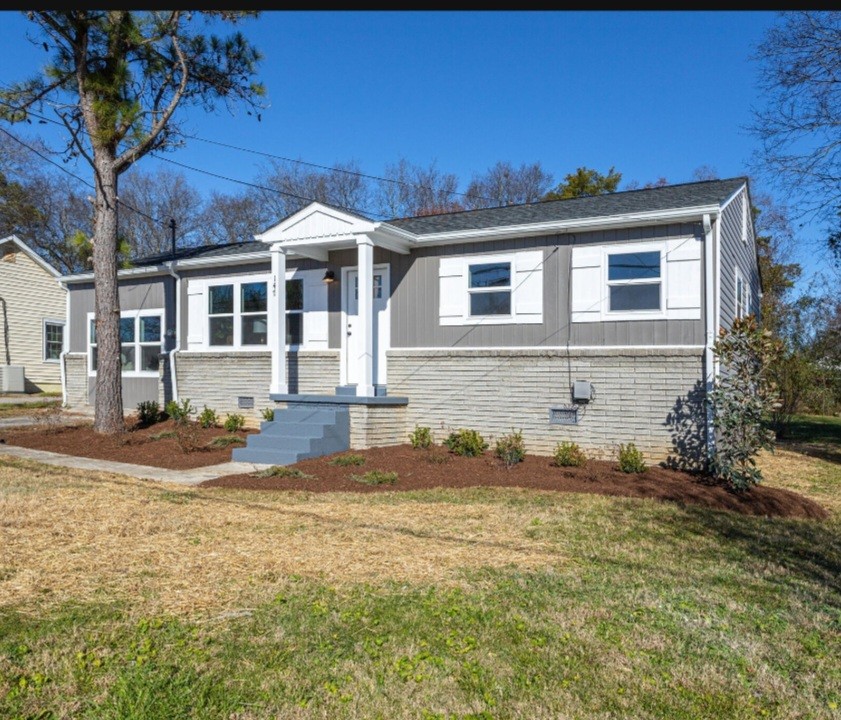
650 93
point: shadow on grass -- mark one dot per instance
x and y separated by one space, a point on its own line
809 551
814 435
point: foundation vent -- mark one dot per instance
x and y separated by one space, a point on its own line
563 416
245 403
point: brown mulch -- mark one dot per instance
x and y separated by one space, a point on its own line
437 468
136 445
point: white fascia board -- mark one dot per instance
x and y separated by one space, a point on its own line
586 224
736 194
31 254
126 273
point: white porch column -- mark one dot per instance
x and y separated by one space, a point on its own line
277 321
365 322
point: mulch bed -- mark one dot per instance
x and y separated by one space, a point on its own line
137 445
436 468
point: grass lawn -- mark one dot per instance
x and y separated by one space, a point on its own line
124 599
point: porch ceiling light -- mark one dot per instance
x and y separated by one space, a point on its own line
329 277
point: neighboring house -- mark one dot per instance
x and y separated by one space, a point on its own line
589 319
33 309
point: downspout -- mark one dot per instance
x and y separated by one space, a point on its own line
65 343
177 348
710 328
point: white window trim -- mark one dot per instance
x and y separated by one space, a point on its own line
745 300
627 249
137 344
44 323
514 317
491 260
237 281
291 275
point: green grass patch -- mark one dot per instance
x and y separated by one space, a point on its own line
348 460
376 477
282 471
224 441
815 428
164 435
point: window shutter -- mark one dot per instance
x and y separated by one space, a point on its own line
452 286
528 286
683 279
315 310
196 314
588 287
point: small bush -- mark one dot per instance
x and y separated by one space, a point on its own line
349 459
268 414
466 442
180 412
225 441
420 437
630 459
165 435
283 472
568 454
434 457
376 477
208 418
148 412
234 422
511 449
188 436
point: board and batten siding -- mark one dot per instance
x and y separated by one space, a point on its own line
29 296
737 251
415 297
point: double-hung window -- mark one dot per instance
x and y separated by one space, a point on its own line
53 340
634 281
238 314
489 289
141 338
295 312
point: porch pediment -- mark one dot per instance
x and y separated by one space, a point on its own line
315 224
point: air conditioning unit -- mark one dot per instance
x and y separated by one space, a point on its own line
12 379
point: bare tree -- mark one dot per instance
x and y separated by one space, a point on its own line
234 218
408 190
799 125
148 201
115 81
504 184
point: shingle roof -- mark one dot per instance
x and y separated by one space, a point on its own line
203 251
669 197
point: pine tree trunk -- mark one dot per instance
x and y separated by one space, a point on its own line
109 398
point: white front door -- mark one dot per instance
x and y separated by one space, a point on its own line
351 345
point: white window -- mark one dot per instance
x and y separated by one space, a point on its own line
633 281
233 313
53 340
491 289
141 342
656 280
743 298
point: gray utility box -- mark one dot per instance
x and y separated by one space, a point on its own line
582 391
12 379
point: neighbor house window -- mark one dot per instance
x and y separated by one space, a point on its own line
489 289
53 340
294 312
633 281
141 339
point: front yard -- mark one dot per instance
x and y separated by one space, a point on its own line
127 599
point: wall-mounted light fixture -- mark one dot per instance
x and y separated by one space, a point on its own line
329 277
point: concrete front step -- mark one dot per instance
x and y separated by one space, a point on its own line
297 433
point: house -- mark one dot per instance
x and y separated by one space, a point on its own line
590 319
33 311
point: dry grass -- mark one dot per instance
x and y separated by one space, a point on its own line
809 476
85 536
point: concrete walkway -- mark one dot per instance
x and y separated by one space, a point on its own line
142 472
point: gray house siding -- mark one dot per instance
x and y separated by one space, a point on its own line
735 252
415 298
